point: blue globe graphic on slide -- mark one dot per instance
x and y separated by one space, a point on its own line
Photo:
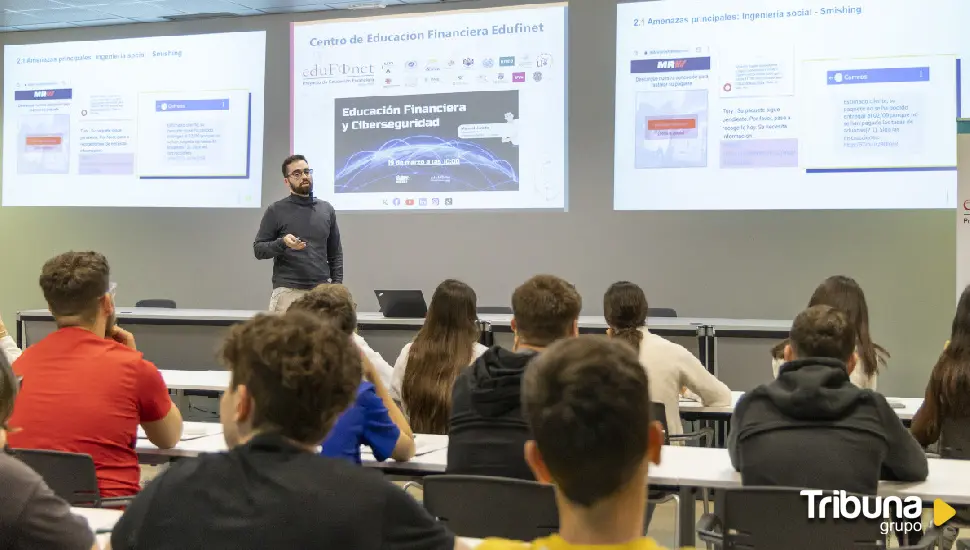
455 163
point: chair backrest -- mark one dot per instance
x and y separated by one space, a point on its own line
777 517
156 302
479 506
659 413
70 475
955 438
661 312
495 310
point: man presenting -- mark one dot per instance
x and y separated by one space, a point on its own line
300 234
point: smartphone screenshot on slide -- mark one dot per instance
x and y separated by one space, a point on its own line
709 118
169 121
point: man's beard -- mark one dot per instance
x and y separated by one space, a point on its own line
302 190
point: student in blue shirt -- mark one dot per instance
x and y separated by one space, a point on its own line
373 419
368 422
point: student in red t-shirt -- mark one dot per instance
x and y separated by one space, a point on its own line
85 387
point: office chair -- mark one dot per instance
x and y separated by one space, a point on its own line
71 476
481 506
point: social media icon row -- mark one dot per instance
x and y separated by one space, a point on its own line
434 201
541 61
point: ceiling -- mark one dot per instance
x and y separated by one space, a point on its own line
24 15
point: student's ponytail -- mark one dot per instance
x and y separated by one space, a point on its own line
625 307
630 335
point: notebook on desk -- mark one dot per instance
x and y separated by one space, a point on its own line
191 431
424 445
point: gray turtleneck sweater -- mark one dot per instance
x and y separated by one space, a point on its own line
311 220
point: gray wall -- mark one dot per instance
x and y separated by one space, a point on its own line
722 264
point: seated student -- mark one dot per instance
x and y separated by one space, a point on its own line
381 366
670 366
594 447
844 294
812 427
373 419
944 416
292 376
8 347
425 372
86 388
487 431
31 515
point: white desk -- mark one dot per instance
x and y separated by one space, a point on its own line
191 445
694 410
207 380
696 467
711 468
684 468
200 317
707 330
101 522
431 456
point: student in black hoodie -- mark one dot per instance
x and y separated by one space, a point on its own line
486 431
812 427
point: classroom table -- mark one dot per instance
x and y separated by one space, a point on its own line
689 410
204 380
706 330
682 468
197 438
689 468
770 329
720 417
431 456
904 407
102 522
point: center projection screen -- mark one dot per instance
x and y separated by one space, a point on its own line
758 105
459 110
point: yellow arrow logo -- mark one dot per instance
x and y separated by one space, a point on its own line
942 512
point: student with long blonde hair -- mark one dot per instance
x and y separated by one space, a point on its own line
425 371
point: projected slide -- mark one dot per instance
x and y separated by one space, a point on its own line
748 107
461 110
173 121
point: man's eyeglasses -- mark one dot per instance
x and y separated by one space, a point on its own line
300 173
